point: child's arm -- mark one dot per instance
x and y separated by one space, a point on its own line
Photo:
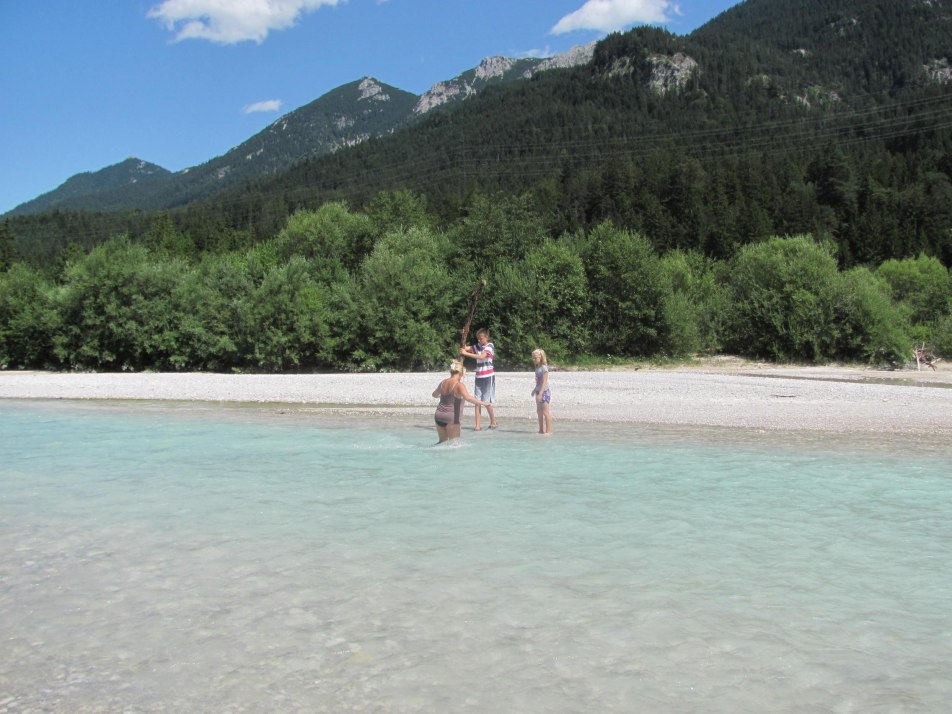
462 391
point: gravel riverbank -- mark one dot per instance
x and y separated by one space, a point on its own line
810 399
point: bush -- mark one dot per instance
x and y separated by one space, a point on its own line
213 299
408 304
694 304
399 210
942 337
539 302
284 323
626 289
495 230
783 296
119 310
28 319
872 328
922 283
332 239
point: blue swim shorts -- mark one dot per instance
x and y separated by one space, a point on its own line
485 389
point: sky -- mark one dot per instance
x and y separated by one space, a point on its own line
85 84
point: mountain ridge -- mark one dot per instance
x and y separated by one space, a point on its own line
759 64
344 116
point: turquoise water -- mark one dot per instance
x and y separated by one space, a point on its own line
204 558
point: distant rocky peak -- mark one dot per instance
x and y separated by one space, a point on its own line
370 89
580 54
133 167
494 67
497 68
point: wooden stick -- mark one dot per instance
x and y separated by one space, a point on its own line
464 333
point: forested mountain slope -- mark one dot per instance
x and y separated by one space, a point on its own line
827 117
820 116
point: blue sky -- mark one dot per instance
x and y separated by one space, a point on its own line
89 83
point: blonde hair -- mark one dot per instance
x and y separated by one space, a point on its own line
457 366
541 355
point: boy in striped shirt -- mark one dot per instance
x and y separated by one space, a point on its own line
483 352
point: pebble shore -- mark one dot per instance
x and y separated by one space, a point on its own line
803 399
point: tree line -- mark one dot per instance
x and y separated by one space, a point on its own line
385 288
800 120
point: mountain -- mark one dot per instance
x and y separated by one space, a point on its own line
874 48
91 186
829 117
779 117
729 86
497 70
343 117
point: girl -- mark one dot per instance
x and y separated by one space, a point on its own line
542 394
451 392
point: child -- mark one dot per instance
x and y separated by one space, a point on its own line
542 393
483 352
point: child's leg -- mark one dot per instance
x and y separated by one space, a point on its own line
491 401
547 413
480 393
540 412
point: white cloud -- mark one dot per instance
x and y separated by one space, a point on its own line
229 21
612 15
270 105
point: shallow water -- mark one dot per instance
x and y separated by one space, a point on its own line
206 558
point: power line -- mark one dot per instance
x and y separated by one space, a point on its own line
462 160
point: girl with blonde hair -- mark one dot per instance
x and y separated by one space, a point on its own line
541 391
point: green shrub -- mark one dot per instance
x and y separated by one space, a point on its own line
872 327
119 309
332 239
407 304
214 298
626 290
695 304
922 283
942 337
28 318
540 301
285 321
783 294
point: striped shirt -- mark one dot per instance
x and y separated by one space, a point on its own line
484 363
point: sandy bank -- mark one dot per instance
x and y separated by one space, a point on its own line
818 399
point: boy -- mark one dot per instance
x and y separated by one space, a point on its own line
483 352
